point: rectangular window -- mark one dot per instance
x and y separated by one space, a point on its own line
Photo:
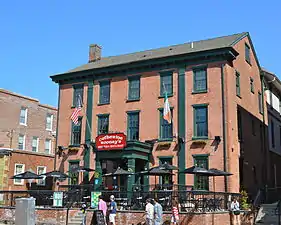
103 124
252 85
19 168
238 84
48 146
49 122
78 90
41 170
133 126
200 121
76 132
35 144
166 129
23 116
239 123
21 144
201 182
253 128
73 173
166 83
104 92
200 79
272 134
247 53
280 134
260 103
168 178
134 88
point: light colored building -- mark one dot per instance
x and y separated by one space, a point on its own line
27 130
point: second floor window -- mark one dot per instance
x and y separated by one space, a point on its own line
133 126
23 116
35 144
104 92
49 122
200 79
134 88
103 124
76 132
166 129
21 143
201 121
166 83
247 53
48 146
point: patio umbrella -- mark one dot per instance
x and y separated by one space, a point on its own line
197 171
27 175
81 169
55 174
218 173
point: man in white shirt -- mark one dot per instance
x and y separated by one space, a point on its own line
149 212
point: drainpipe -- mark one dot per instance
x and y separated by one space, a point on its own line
224 127
57 128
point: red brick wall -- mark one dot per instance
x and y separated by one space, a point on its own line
58 217
10 104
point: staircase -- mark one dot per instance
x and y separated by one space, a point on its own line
77 219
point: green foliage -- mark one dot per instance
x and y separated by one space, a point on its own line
244 200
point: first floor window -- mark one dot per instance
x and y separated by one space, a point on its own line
48 144
76 132
21 143
103 124
166 179
133 126
19 168
201 182
35 144
166 129
41 170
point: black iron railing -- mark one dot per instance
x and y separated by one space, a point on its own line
188 201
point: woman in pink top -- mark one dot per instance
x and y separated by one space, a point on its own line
102 206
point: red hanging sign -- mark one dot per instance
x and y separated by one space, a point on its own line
111 141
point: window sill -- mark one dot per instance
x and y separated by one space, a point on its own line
248 62
73 146
165 140
199 92
23 124
239 96
168 95
133 100
107 103
200 138
252 92
49 130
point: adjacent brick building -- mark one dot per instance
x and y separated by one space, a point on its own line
27 139
212 86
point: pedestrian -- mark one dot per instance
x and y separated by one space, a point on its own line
112 210
83 209
149 212
102 206
175 212
235 209
158 212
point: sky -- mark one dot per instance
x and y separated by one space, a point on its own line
42 38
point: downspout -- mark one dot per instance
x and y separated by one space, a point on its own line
57 128
224 127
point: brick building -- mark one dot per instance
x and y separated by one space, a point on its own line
212 86
27 139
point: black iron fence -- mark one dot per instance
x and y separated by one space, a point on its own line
188 201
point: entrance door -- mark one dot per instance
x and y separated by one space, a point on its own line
73 176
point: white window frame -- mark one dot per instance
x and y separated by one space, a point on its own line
23 147
43 183
37 144
25 116
52 118
23 169
50 146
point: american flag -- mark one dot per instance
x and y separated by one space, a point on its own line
75 114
